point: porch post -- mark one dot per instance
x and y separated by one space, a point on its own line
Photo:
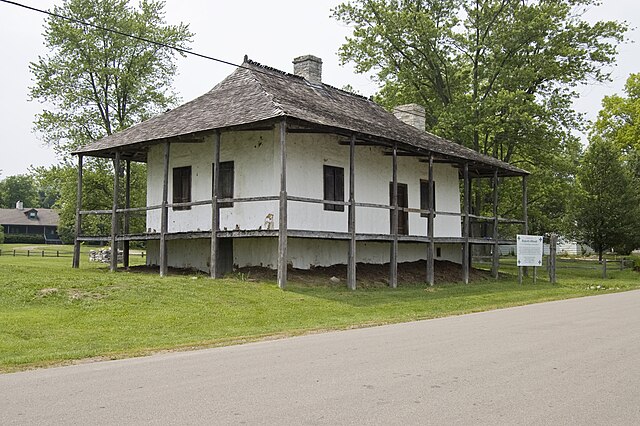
76 242
164 212
393 258
114 215
215 208
351 267
495 261
430 230
525 214
127 205
282 226
465 247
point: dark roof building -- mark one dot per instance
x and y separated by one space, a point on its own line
41 222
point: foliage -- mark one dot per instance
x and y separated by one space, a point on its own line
607 204
100 309
1 234
24 238
99 82
18 188
619 119
619 123
497 76
97 183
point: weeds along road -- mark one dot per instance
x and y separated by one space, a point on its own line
565 362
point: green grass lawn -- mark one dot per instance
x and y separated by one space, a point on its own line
52 314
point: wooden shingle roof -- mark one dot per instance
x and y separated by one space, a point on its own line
255 94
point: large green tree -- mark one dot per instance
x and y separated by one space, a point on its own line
18 188
94 82
619 123
607 206
498 76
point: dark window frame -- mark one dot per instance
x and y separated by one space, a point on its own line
226 182
424 197
333 187
403 216
181 187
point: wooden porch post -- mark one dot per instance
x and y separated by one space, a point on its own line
525 215
282 226
164 212
114 214
430 230
465 248
215 208
127 205
393 258
76 243
495 261
351 266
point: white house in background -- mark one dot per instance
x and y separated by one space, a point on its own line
286 146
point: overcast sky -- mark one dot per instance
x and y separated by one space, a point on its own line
270 32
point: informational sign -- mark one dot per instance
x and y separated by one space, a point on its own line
529 250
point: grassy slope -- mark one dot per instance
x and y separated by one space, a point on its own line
94 313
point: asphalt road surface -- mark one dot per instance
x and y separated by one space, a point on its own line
567 362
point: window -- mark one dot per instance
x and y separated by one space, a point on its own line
182 186
225 184
438 252
333 187
403 203
424 196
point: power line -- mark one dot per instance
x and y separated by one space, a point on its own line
111 30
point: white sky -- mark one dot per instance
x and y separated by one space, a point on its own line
270 32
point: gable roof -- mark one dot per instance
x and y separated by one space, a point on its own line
45 217
256 94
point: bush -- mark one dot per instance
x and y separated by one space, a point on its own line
1 234
23 238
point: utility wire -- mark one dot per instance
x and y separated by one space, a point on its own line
146 40
111 30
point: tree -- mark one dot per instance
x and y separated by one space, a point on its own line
97 193
619 123
619 119
606 204
98 82
497 76
18 188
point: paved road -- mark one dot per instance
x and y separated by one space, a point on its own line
568 362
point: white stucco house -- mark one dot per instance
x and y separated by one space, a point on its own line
306 175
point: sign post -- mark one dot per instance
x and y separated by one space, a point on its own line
529 253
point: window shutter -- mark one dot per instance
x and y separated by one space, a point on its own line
226 185
329 186
339 187
424 197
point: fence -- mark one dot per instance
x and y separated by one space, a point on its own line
562 263
44 253
36 253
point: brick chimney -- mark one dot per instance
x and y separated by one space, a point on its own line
412 114
308 67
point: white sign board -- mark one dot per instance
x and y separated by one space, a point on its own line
529 250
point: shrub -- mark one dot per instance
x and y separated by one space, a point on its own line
1 234
23 238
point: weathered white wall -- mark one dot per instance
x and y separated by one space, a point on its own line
307 154
256 159
303 253
252 154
